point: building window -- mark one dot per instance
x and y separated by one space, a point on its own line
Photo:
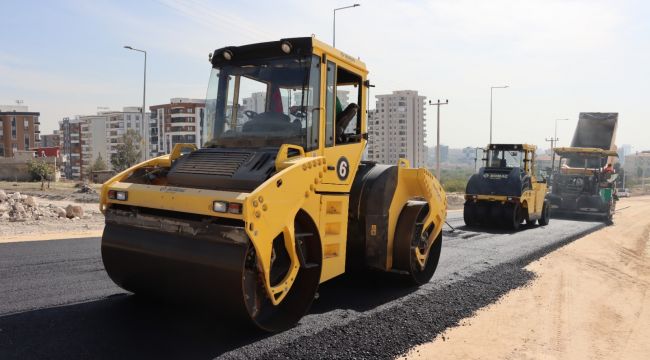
26 123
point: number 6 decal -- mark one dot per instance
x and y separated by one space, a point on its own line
343 168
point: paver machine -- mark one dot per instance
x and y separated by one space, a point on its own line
506 192
276 200
582 184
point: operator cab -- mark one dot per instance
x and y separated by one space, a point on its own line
506 157
282 92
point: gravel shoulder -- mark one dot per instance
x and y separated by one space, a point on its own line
588 300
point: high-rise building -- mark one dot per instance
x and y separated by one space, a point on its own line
180 121
396 129
70 136
18 129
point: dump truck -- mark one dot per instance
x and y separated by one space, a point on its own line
276 200
580 185
506 192
589 189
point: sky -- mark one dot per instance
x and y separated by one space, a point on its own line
559 58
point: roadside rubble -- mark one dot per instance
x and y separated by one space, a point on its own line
15 207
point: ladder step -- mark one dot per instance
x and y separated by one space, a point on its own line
303 235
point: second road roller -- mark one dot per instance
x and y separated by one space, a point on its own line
506 191
275 200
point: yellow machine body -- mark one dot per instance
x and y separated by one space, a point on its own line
506 191
310 188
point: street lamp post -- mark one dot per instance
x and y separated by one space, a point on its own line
144 124
491 96
334 22
438 104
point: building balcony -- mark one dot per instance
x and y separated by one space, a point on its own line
181 114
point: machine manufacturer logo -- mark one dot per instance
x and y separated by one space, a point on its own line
342 168
171 189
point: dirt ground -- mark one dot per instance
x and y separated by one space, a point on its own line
51 227
590 300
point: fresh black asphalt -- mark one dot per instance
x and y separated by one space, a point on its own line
56 302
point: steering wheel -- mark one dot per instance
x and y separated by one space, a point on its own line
300 114
250 114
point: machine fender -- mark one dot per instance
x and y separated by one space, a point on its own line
417 184
269 213
370 199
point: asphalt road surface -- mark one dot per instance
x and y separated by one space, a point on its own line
57 302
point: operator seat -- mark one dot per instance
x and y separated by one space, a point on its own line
343 120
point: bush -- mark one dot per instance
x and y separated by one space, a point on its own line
454 179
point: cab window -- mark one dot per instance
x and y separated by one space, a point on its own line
348 97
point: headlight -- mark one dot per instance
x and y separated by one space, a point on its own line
118 195
220 206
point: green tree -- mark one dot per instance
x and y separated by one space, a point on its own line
128 152
41 171
98 165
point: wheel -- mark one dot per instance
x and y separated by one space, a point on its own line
546 215
410 252
514 216
469 214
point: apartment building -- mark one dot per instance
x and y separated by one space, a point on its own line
396 129
51 140
19 129
70 136
179 121
93 140
117 123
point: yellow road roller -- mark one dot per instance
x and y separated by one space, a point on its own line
276 200
506 192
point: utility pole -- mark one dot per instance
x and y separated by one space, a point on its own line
553 141
438 104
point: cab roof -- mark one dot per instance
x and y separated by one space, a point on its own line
512 147
300 46
568 151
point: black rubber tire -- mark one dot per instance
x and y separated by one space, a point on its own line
514 216
546 215
407 234
469 214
